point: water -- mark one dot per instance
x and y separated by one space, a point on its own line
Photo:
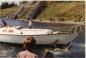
77 49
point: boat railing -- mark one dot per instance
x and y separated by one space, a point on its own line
70 29
75 29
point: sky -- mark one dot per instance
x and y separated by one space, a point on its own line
37 0
12 0
16 1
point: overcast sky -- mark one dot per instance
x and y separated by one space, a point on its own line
16 1
37 0
13 0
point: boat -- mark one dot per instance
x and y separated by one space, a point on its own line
17 34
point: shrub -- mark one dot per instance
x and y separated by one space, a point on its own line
6 5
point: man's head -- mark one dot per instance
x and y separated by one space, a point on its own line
29 43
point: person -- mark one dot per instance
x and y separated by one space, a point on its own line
4 23
29 46
30 24
48 54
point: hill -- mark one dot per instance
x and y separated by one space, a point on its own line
57 10
66 10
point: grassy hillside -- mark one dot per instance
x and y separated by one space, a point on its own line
67 10
26 9
8 11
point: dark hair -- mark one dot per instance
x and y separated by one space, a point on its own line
29 43
49 55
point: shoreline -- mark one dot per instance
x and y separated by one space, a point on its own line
65 22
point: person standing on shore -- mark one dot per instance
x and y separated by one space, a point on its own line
29 46
30 23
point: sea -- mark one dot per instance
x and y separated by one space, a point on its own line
77 50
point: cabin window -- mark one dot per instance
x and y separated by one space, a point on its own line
4 30
10 31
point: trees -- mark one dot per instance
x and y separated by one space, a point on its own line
7 5
4 5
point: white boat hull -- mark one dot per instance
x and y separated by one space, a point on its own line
40 39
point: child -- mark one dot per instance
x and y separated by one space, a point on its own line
48 54
29 45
